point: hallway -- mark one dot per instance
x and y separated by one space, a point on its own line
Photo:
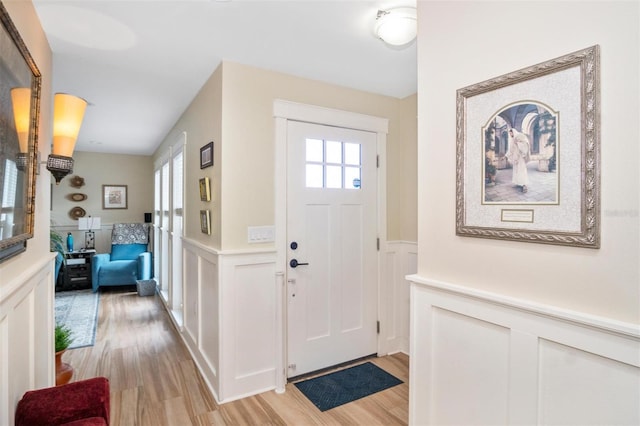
154 380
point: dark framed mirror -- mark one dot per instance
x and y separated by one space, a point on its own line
20 82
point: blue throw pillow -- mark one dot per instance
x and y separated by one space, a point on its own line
127 251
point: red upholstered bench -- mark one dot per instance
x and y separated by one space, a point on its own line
85 402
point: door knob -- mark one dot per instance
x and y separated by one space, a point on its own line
294 263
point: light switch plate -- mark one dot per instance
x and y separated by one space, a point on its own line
261 234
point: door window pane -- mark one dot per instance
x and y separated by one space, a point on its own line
314 176
352 154
315 150
334 152
334 177
352 177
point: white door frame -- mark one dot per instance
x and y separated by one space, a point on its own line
283 111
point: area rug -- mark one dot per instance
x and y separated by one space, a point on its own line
78 310
338 388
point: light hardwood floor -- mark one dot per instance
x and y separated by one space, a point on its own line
154 380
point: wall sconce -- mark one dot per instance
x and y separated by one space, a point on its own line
89 224
68 111
21 100
398 26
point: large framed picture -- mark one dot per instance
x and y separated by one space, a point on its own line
20 86
528 154
206 156
114 196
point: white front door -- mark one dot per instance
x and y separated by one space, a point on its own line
332 235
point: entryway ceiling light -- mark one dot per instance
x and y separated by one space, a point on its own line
397 26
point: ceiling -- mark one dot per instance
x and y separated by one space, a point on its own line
140 63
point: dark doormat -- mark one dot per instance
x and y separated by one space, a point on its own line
338 388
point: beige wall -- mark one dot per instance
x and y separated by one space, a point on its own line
488 39
97 169
201 122
135 171
402 193
248 143
235 110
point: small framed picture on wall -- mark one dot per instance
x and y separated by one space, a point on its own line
205 222
114 196
206 156
205 189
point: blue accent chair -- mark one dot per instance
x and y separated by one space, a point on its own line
59 261
123 266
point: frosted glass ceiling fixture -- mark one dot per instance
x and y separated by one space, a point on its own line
397 26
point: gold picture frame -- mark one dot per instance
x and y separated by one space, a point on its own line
205 189
496 115
20 87
205 222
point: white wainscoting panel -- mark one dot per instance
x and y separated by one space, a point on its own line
230 319
482 358
26 321
401 260
579 387
249 324
209 309
201 312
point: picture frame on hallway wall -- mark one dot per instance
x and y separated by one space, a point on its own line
206 155
205 222
20 88
205 189
528 154
114 197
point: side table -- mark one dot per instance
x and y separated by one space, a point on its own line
77 270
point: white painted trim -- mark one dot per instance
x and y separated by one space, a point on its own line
284 111
331 117
181 142
239 252
281 332
400 258
382 235
579 318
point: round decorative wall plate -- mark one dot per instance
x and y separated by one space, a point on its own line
78 196
77 181
77 212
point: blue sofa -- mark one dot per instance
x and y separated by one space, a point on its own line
123 266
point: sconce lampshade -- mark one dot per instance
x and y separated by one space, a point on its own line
398 26
21 100
68 112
